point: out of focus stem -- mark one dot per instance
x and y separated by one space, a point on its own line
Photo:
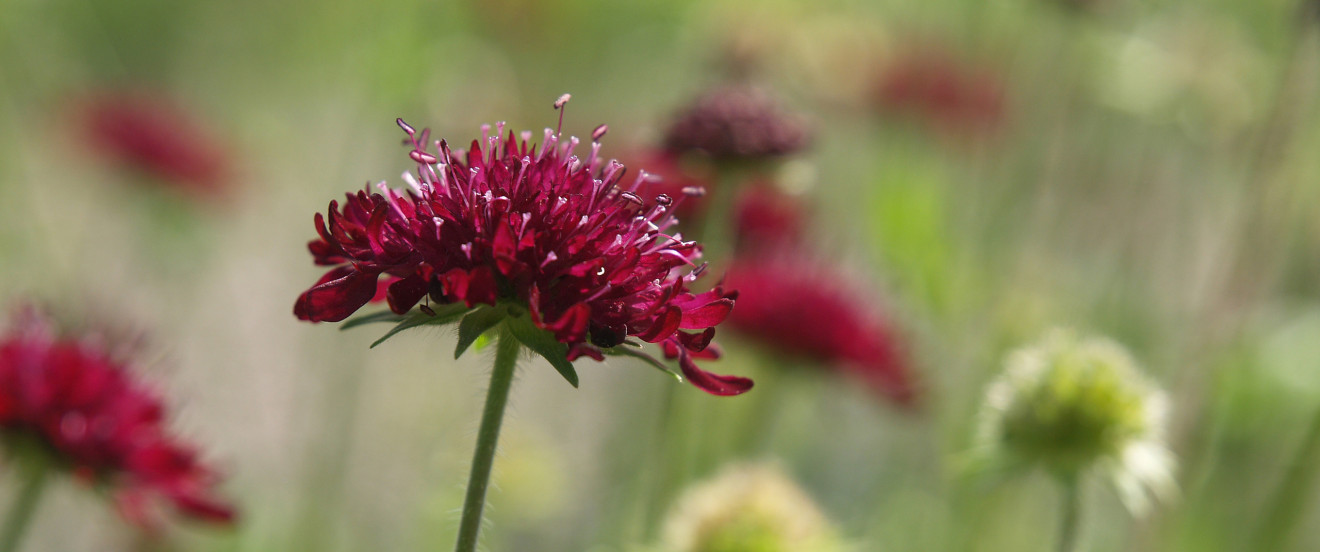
1072 506
1289 500
497 397
20 512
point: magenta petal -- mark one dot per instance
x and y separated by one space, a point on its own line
696 342
664 326
707 315
714 384
481 286
583 350
570 327
338 294
405 293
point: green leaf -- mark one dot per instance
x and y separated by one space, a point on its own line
543 343
629 349
445 315
383 316
476 324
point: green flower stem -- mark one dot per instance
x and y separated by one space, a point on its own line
1072 505
497 397
20 512
1290 498
716 228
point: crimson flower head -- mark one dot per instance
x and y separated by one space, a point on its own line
84 412
151 134
737 122
531 233
937 89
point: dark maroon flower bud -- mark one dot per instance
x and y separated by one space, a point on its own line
89 414
737 122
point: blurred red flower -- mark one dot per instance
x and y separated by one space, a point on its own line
545 228
790 302
767 221
938 89
149 133
92 418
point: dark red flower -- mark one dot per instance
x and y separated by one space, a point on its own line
91 417
151 134
936 88
506 221
737 121
767 221
796 307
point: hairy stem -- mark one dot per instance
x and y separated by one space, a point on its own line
1072 505
20 512
497 397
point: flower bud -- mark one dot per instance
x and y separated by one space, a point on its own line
1070 404
748 508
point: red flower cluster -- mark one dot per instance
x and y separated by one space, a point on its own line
504 221
149 134
737 122
940 90
85 409
791 303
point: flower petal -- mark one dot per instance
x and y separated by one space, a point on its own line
714 384
338 294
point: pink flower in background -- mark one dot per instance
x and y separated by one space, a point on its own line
737 122
945 93
89 415
563 235
766 220
150 134
800 308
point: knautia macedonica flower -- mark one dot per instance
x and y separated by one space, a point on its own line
68 403
1072 405
748 508
560 245
148 133
734 122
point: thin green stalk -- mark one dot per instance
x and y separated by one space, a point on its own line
497 397
1289 500
20 513
1072 506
